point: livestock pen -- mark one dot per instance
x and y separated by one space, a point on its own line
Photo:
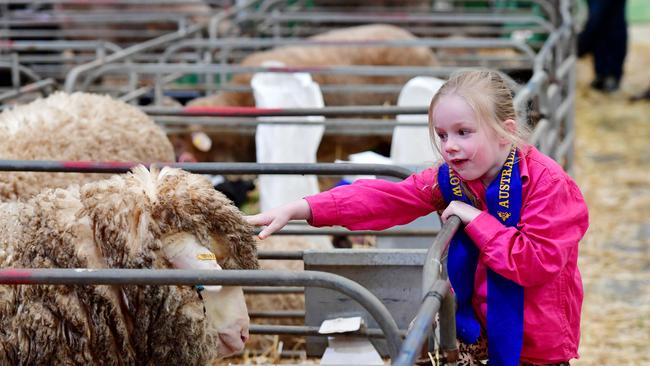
535 49
375 309
541 61
52 36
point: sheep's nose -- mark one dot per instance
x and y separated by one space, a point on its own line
244 335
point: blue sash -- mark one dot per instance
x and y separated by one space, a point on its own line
505 300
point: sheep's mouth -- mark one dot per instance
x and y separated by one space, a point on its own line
229 344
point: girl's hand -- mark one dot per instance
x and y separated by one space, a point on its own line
275 219
465 212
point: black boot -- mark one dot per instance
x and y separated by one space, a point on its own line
607 84
598 83
611 84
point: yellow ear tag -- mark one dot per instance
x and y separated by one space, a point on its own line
206 257
201 141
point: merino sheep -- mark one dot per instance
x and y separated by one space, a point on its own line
133 221
78 126
323 56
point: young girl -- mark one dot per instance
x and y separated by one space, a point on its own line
514 267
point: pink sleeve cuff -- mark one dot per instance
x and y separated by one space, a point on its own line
324 211
483 229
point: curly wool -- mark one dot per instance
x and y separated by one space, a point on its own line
114 224
75 127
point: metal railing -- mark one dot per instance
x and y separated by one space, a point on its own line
435 291
436 299
25 276
207 168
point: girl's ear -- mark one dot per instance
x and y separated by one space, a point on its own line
510 126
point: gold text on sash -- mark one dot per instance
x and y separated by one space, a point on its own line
455 184
504 184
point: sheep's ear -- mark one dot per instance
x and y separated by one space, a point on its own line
188 202
122 227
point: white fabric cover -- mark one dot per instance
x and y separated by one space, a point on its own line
412 145
286 144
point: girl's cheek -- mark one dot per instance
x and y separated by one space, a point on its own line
471 149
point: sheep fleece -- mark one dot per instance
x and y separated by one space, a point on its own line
114 223
78 126
324 55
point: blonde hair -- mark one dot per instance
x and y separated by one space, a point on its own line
489 96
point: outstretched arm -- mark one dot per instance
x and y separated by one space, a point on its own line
373 204
377 204
275 219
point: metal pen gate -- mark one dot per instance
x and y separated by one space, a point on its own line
434 284
211 49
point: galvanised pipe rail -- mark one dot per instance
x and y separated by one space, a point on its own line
388 232
373 17
197 111
302 330
58 45
251 122
73 75
78 18
435 268
302 42
32 87
208 168
457 5
58 276
168 68
340 17
421 326
158 69
435 289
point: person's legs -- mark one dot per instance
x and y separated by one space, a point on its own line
592 31
611 47
618 38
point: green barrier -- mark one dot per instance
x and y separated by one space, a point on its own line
638 11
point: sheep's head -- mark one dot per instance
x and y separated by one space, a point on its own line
147 220
225 307
135 212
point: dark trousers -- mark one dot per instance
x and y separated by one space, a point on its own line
605 36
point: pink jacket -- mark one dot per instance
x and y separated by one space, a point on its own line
540 254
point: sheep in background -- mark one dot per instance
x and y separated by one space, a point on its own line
75 127
323 56
134 221
332 147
